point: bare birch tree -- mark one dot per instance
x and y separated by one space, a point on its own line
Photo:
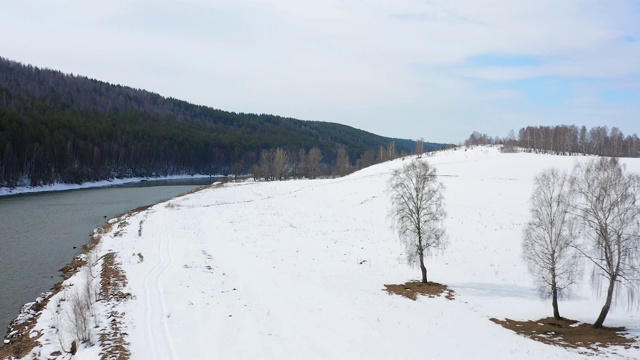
391 151
548 246
280 163
417 209
609 212
419 147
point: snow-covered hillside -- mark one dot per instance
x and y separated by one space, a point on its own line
296 270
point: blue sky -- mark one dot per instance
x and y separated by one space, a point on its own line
436 69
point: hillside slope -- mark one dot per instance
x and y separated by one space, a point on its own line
57 127
296 270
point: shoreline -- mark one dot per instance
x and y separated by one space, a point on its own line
29 314
20 190
18 335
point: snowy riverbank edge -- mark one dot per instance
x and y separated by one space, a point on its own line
5 191
23 326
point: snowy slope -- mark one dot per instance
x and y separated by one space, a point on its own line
275 271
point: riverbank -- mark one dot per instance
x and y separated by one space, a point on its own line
42 232
22 336
4 191
101 281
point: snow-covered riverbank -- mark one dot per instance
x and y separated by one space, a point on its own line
94 184
296 269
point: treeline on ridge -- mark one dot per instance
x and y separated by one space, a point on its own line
279 164
57 127
566 140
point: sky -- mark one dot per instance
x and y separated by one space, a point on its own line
436 69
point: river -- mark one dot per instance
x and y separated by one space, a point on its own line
42 232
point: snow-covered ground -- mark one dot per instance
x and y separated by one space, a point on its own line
276 270
93 184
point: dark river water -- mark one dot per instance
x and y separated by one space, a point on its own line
41 232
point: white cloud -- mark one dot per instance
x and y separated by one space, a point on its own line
357 62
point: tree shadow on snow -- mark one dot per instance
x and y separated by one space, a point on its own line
496 290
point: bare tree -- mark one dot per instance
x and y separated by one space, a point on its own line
237 169
598 136
382 154
256 171
583 140
511 138
302 163
609 212
80 317
547 245
367 158
419 147
343 164
280 163
266 164
418 210
633 146
391 151
616 141
313 162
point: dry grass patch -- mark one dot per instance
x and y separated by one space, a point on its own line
570 333
112 282
112 279
22 341
411 290
70 269
114 347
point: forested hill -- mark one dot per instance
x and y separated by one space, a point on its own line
56 127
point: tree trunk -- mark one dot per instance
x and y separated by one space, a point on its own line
423 268
554 302
554 289
607 304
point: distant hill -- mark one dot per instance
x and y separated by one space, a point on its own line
57 127
410 144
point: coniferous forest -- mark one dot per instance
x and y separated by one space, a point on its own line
62 128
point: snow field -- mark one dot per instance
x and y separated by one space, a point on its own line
295 269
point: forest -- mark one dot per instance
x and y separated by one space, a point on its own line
566 140
64 128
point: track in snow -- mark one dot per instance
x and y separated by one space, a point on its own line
156 309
